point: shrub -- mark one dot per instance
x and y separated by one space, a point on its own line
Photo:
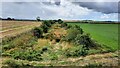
38 32
85 40
87 43
49 36
57 39
73 52
45 28
47 23
52 21
15 64
60 21
31 55
69 26
76 51
71 35
38 18
44 49
12 63
64 24
78 28
51 55
84 51
7 47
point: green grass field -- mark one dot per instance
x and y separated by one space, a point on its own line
106 34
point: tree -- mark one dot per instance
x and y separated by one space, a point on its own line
0 18
9 18
60 21
38 18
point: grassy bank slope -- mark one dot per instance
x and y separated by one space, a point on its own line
106 34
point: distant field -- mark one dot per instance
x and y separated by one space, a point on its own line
10 28
106 34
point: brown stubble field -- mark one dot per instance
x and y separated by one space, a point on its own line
11 28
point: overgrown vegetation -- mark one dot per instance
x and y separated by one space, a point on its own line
64 41
38 32
105 34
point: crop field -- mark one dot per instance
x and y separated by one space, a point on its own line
10 28
105 34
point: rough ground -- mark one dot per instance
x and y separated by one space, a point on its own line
106 59
0 62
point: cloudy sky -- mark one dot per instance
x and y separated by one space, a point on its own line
64 9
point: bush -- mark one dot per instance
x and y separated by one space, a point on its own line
38 32
85 40
64 24
44 49
12 63
38 18
69 26
52 21
87 43
60 21
31 55
47 23
7 47
15 64
73 52
78 28
57 40
71 35
45 28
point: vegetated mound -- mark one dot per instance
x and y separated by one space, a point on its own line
55 43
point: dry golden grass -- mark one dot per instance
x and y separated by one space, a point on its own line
14 24
80 61
57 31
11 28
41 43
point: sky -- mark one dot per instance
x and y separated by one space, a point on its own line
103 10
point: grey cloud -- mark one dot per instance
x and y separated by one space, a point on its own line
104 7
49 3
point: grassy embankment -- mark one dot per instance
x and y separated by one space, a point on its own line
50 50
105 34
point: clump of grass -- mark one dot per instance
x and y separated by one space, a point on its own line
11 63
31 55
22 41
94 65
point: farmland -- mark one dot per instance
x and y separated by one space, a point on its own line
56 43
10 28
106 34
